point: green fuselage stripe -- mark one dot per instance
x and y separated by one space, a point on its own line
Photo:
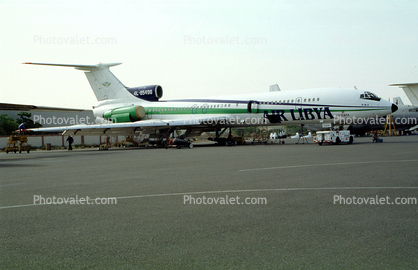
187 111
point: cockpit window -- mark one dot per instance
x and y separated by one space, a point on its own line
370 96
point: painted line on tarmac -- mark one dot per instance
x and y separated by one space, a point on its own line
17 206
329 164
16 157
13 184
260 190
224 191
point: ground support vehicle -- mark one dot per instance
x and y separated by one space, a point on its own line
333 137
17 142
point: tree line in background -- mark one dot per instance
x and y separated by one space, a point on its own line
8 124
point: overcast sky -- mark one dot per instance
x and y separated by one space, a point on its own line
206 48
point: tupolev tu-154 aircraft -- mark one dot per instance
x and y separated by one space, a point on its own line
128 111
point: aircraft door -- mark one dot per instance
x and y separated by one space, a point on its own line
252 106
298 112
205 108
195 109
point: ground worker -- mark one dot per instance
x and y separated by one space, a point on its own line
70 141
22 127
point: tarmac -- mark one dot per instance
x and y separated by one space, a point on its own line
275 206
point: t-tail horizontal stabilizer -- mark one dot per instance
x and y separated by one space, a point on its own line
411 91
105 85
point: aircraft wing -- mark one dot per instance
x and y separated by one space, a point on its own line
411 91
23 107
131 128
413 128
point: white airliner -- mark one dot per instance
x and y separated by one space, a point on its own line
128 111
411 91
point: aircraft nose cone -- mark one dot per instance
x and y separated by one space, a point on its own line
394 108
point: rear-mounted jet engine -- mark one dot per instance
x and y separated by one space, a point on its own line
125 114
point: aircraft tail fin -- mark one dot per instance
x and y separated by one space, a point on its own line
398 101
105 85
411 91
274 88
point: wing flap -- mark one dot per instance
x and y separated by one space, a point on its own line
103 129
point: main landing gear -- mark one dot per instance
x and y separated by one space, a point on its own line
228 141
